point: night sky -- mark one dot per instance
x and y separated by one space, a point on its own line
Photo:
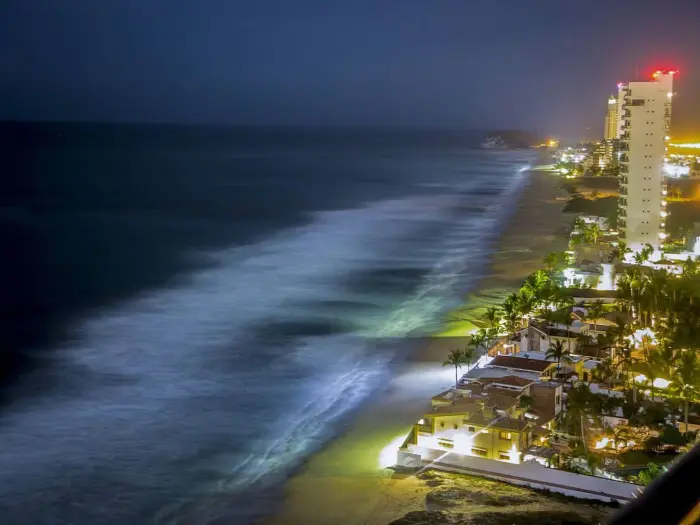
544 64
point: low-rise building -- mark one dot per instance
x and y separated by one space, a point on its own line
491 417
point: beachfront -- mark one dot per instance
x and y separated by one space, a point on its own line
344 482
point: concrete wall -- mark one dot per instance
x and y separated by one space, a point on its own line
530 475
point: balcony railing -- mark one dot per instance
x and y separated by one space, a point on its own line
624 168
624 158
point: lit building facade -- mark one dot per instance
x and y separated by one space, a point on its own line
644 120
611 120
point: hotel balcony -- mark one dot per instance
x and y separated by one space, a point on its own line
623 180
623 191
624 158
624 168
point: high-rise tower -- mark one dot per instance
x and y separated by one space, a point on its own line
645 118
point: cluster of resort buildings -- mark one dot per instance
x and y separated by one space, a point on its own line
505 406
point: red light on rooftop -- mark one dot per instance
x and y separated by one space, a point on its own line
665 72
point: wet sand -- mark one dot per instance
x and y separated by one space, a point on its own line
345 482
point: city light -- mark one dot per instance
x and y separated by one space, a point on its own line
389 454
691 145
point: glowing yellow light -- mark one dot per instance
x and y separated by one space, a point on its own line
602 443
662 235
669 94
514 455
389 454
692 145
463 443
667 137
658 382
663 203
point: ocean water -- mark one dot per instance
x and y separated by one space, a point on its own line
191 312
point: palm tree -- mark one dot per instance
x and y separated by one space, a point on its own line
485 335
535 282
548 316
624 363
525 302
643 255
690 267
456 359
557 352
580 405
492 315
478 339
594 312
685 381
555 261
566 318
650 367
593 461
592 233
512 321
469 354
621 251
605 371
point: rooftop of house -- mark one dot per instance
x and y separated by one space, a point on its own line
477 374
446 396
555 331
590 364
515 381
520 363
498 422
459 406
540 452
597 389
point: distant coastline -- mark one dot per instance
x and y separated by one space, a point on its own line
510 139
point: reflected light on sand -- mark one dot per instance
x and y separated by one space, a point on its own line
388 455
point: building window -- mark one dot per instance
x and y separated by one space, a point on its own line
479 451
456 426
471 429
504 435
504 455
557 400
445 443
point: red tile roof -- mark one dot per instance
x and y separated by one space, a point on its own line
509 380
521 363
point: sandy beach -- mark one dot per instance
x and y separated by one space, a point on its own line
345 482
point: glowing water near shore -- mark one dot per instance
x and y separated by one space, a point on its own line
181 402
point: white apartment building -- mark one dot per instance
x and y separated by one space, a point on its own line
644 120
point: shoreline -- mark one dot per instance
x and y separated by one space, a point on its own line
343 481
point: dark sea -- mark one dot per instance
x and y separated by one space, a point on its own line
189 312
